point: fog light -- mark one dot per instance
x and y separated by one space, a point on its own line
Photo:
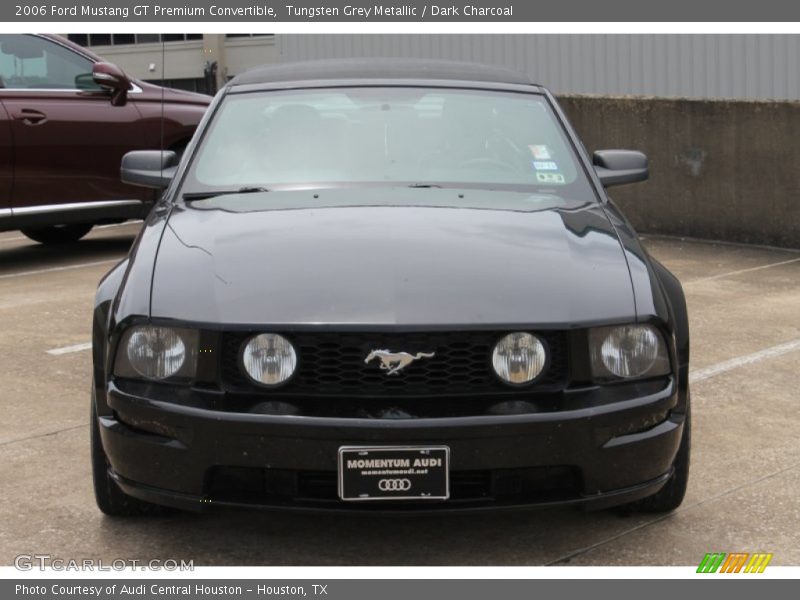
269 359
519 358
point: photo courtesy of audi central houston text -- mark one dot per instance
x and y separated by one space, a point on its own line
385 285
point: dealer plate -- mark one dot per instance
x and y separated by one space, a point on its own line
394 473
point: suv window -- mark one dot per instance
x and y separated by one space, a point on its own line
386 135
31 62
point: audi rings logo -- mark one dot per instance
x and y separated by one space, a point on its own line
394 485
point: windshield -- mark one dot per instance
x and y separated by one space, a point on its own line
386 135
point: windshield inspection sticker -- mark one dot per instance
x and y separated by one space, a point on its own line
550 178
540 152
545 165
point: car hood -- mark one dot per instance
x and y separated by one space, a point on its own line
411 257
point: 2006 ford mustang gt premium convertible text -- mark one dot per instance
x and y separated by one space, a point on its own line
388 286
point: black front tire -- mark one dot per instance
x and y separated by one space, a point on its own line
109 497
669 497
58 234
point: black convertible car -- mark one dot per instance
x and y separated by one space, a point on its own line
388 285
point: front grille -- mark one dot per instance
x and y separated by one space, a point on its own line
249 485
332 364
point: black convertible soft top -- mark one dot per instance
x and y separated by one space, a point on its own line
379 68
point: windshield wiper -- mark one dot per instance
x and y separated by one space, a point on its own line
425 185
248 189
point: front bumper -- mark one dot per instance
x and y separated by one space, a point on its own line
596 456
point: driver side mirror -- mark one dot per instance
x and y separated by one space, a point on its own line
111 77
618 167
149 168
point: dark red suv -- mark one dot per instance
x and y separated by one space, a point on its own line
66 119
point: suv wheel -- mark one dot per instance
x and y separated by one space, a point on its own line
110 499
58 234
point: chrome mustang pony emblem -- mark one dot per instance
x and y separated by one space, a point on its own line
393 362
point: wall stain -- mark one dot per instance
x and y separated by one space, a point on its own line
694 158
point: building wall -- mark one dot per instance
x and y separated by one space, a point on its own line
721 169
692 66
246 53
184 62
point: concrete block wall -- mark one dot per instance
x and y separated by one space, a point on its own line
719 169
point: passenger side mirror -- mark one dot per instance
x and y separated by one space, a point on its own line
112 78
618 167
86 82
149 168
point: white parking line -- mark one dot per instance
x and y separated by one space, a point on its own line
64 268
69 349
739 361
740 271
707 242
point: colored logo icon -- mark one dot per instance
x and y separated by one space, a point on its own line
735 562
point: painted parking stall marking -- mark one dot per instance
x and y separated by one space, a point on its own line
70 349
740 361
742 271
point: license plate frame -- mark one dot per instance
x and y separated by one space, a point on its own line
357 484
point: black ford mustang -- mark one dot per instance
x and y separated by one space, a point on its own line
388 286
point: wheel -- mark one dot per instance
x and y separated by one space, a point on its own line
110 499
58 234
670 496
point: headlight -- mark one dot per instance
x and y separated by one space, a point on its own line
157 353
269 359
519 358
628 352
